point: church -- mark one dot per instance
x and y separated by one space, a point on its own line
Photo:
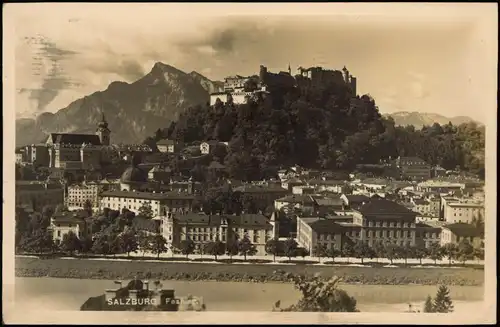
73 153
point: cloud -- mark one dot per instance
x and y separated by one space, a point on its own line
47 63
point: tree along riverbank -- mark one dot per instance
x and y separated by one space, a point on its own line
190 271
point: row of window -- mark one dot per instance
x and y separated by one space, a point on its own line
389 224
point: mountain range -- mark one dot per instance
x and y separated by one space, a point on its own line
135 110
419 119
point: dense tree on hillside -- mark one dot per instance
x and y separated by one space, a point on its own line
321 125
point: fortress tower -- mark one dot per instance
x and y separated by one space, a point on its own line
103 131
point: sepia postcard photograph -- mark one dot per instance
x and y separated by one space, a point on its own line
251 163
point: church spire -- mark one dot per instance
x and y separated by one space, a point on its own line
289 69
103 123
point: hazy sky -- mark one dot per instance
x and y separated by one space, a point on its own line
436 58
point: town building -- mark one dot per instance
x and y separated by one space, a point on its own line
289 184
413 168
328 204
441 187
322 185
37 155
73 152
320 75
161 203
168 146
302 202
463 212
428 233
202 228
316 231
36 195
353 200
455 232
66 222
160 173
303 190
134 178
421 206
386 221
262 195
78 194
210 146
20 157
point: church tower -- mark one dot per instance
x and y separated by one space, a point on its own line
103 131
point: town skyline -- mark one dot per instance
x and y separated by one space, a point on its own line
54 68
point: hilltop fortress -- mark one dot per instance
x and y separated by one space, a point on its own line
239 89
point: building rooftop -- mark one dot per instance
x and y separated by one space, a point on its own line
357 198
463 230
332 182
335 201
166 142
466 204
259 188
147 195
243 220
382 206
75 139
297 199
36 186
323 226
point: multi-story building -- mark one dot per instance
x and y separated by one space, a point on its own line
314 231
434 206
304 202
290 183
35 195
328 204
454 233
386 221
77 195
73 152
421 206
318 74
463 212
37 155
63 223
441 187
161 203
160 173
168 146
428 233
20 156
354 200
413 168
202 228
303 190
263 196
333 186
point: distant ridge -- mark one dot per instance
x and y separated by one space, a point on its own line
419 119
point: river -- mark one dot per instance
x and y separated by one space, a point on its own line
70 294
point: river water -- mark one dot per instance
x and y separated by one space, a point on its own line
69 294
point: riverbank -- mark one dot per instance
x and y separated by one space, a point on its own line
69 294
260 273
